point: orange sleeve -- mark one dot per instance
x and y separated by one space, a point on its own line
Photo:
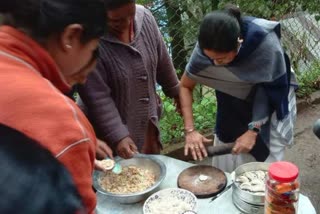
79 163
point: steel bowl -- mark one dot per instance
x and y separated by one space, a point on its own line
153 164
244 200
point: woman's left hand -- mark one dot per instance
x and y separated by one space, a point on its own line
195 144
245 142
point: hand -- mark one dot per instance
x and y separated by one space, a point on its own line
194 143
103 150
177 105
98 166
126 148
245 142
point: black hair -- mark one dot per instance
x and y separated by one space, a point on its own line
42 18
220 30
114 4
31 178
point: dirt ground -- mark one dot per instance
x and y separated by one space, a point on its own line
305 153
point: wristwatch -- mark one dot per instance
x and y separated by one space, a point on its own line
254 127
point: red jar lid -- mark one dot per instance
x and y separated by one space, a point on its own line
283 171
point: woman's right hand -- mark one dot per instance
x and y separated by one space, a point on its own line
126 148
103 150
195 143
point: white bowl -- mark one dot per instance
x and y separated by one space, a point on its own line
171 200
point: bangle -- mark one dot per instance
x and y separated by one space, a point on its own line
189 130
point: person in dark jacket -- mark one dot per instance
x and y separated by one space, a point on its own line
120 95
32 180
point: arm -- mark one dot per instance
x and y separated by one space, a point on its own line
96 96
186 88
166 74
261 109
260 115
81 169
194 140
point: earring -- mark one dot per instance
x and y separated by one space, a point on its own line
68 46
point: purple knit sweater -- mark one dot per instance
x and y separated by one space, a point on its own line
120 95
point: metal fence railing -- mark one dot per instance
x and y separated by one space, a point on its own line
179 21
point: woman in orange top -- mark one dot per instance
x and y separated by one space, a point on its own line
45 47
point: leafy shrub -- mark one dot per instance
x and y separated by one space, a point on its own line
204 111
309 81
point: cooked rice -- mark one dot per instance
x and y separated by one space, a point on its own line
132 179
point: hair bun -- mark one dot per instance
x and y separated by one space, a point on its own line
7 5
233 10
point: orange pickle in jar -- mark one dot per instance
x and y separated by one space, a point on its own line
280 210
286 187
282 189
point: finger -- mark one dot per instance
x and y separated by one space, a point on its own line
100 154
122 154
109 153
194 155
132 151
129 153
125 155
97 166
198 152
106 150
236 149
133 148
186 150
203 150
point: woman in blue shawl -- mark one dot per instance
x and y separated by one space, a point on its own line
242 59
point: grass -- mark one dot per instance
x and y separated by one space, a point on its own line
309 81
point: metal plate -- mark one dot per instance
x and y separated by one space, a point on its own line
216 180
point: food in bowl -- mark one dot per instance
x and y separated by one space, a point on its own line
173 201
132 179
253 181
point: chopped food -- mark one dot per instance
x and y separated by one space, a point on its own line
253 181
132 179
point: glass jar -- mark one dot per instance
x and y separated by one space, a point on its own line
282 189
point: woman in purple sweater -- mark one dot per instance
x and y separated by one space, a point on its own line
120 95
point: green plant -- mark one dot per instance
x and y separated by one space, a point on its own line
204 110
309 80
171 123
